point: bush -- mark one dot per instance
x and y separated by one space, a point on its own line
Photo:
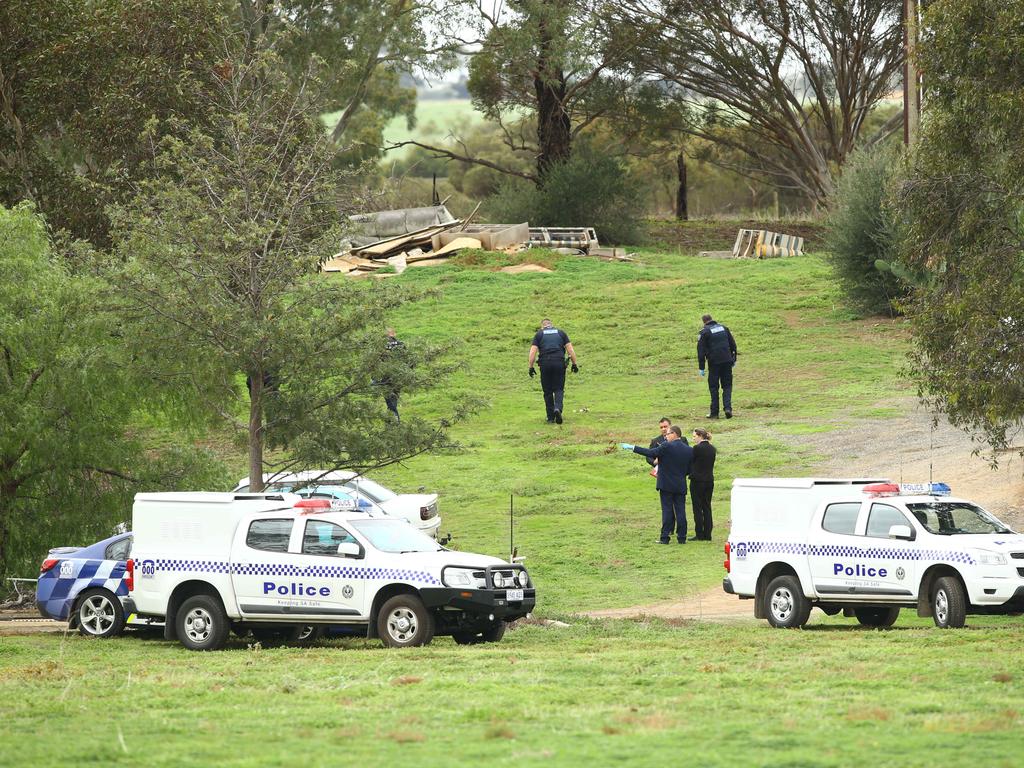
861 237
587 190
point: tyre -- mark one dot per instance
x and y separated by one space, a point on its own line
99 614
202 623
492 634
785 604
880 618
949 603
303 634
403 622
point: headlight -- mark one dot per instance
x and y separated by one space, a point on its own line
458 577
522 578
991 558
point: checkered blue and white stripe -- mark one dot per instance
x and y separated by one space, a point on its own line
289 569
61 585
862 553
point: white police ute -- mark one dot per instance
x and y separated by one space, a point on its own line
867 548
209 563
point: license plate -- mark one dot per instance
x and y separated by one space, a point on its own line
514 594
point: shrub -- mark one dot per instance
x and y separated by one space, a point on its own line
587 190
861 237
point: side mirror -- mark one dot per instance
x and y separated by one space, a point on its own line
901 532
350 549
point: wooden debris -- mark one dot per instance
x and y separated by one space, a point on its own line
456 245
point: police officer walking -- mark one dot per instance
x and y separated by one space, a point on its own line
549 348
716 345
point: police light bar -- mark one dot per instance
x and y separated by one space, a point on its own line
313 506
882 489
926 489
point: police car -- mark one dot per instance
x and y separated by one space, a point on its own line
419 509
209 563
87 586
867 548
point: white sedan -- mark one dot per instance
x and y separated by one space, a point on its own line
419 509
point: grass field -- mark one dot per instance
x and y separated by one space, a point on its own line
611 693
435 119
630 693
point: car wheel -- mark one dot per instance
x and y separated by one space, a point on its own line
202 624
403 622
880 618
99 614
949 604
492 634
785 604
304 634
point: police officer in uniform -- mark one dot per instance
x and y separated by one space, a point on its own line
549 348
716 345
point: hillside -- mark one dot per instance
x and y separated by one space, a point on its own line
587 514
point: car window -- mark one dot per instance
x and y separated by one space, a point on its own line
882 517
119 549
323 538
841 518
269 535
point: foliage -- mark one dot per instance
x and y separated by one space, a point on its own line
962 209
785 88
590 189
862 239
362 48
220 256
68 461
78 81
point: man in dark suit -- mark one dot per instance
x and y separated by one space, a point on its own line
674 458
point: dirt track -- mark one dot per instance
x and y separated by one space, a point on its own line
906 447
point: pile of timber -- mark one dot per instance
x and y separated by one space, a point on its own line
398 251
765 244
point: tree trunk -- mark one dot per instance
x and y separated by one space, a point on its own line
554 130
682 211
256 431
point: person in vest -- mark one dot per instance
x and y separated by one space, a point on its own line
716 346
674 458
549 348
702 483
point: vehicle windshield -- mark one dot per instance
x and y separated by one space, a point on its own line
948 517
373 491
394 536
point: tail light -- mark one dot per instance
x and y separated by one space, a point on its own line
129 578
48 564
727 564
426 513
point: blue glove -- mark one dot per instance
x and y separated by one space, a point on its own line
626 446
702 372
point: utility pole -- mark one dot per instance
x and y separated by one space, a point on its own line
911 77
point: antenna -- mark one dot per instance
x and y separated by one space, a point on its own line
511 528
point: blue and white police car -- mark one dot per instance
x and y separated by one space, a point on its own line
88 586
866 548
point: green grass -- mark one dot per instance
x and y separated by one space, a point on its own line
631 693
587 514
654 694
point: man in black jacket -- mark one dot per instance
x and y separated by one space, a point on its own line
549 348
716 345
664 425
674 457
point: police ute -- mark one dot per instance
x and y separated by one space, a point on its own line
867 548
209 563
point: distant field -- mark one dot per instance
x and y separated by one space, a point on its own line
434 120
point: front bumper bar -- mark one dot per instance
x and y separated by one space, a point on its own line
480 601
